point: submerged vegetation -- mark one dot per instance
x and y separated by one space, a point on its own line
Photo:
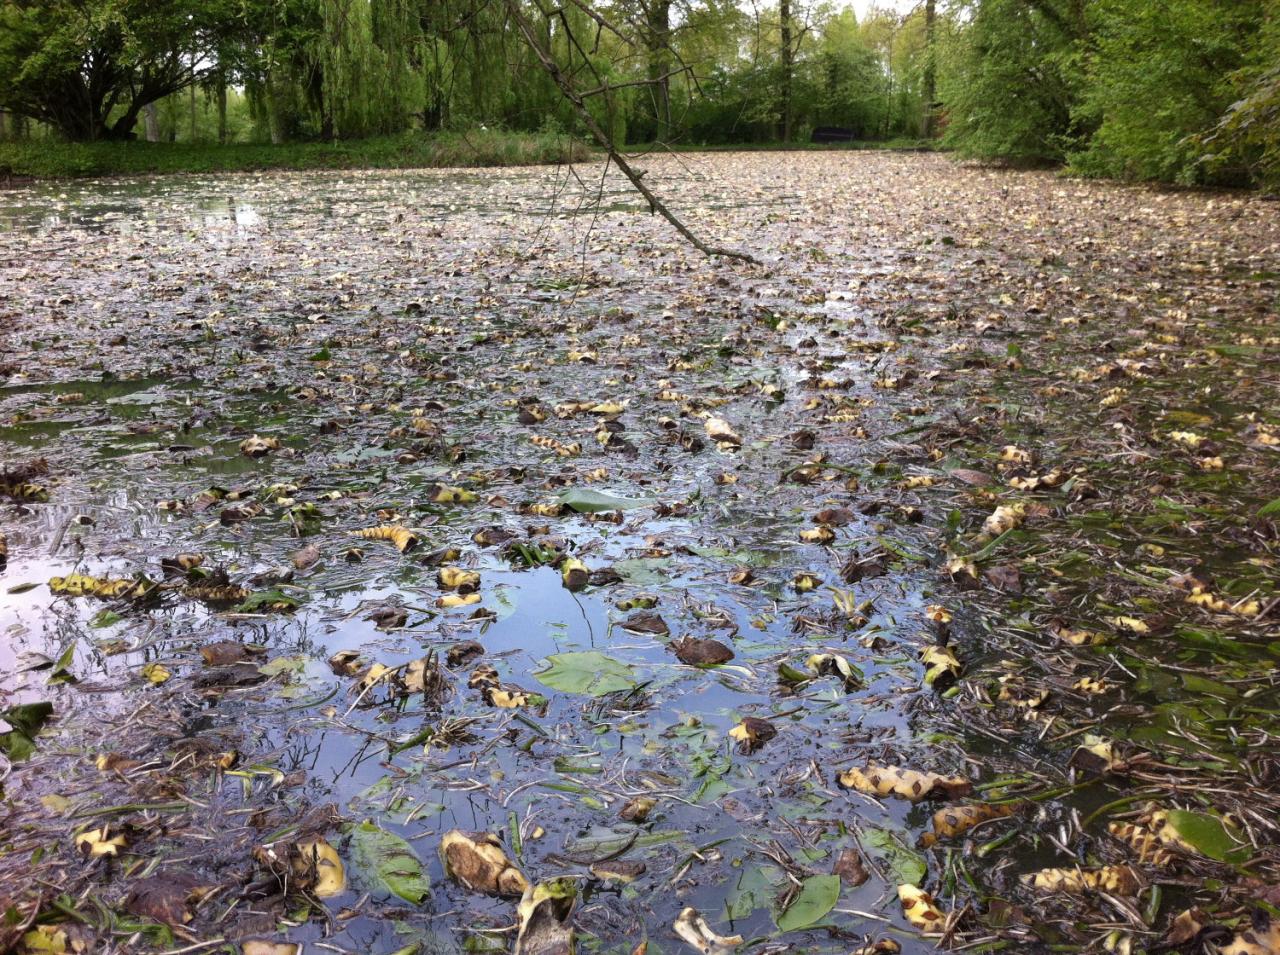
457 563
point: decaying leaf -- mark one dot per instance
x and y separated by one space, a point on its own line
104 588
458 579
257 446
695 932
93 843
478 861
954 821
909 784
1262 937
257 946
697 651
574 573
404 539
1116 879
310 865
752 733
544 913
833 664
721 432
941 668
920 909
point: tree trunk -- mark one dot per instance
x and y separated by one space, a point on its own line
787 54
193 112
658 41
222 107
4 126
930 68
151 116
273 109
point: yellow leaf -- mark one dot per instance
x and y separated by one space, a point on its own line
920 909
99 842
156 673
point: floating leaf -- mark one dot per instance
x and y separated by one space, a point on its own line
389 862
25 722
818 896
1204 833
589 672
903 863
586 501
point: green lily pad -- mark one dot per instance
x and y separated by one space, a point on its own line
389 862
586 501
818 896
1207 834
590 673
24 722
903 862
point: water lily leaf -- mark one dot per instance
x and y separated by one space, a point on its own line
586 501
590 672
1270 510
903 863
267 600
818 896
643 571
1207 834
389 861
24 722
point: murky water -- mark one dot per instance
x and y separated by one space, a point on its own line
385 329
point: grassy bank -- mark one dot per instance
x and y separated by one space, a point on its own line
893 145
48 160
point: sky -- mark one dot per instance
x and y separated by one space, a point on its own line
862 6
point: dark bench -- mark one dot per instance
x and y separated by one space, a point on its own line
833 134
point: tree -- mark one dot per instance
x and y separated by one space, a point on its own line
1014 81
89 68
1159 74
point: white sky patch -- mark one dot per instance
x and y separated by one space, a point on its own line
860 7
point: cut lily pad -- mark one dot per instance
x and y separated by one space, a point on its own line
590 673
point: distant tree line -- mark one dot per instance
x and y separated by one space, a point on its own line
1174 90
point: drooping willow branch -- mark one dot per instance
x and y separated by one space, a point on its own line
568 88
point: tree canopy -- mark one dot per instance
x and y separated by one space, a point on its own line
1175 90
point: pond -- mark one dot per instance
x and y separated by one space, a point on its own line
476 501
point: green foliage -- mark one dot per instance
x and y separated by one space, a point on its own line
1009 82
1159 74
407 151
1183 91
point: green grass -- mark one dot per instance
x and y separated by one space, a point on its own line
908 145
57 160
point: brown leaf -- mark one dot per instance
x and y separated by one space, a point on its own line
477 860
849 867
163 898
304 558
696 651
646 623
